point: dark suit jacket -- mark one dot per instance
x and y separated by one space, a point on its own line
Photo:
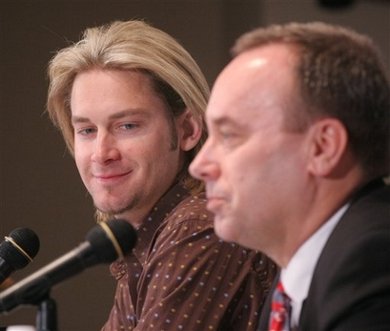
350 289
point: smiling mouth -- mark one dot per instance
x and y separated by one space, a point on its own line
112 177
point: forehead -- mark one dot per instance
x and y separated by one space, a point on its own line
110 90
260 79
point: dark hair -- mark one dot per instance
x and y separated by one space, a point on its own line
340 74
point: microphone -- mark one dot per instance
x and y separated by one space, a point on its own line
17 250
104 243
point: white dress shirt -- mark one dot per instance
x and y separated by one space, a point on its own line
296 277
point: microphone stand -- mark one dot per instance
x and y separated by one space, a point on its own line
46 319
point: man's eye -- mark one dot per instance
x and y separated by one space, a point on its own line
128 126
226 135
85 131
229 138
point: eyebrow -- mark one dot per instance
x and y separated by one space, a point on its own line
221 120
118 115
224 120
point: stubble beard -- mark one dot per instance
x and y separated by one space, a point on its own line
130 205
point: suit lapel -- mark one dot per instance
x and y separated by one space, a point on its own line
308 319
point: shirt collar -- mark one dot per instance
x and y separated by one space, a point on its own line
149 227
156 216
296 277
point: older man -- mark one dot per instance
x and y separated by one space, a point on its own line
299 143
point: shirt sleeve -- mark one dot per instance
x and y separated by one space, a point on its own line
194 281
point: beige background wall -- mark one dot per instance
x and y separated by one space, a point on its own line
39 185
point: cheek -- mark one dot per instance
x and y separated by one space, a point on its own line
247 187
81 159
77 159
240 172
159 161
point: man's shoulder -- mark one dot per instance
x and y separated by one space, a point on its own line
191 208
367 214
352 273
360 231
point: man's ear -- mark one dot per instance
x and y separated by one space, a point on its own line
189 130
327 144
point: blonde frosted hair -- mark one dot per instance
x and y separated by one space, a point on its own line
130 45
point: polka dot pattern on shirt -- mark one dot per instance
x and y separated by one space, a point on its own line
181 276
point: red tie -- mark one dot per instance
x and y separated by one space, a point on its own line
280 310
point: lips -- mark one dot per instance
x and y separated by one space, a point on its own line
214 203
111 177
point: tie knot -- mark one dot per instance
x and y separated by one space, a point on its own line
280 295
279 287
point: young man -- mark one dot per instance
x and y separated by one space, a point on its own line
129 101
299 141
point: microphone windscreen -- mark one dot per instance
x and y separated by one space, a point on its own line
24 241
105 250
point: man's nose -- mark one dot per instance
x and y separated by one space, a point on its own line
105 149
204 167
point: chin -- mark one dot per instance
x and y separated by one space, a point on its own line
224 231
110 208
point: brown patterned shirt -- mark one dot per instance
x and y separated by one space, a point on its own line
181 276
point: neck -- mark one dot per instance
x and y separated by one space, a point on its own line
134 217
322 199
